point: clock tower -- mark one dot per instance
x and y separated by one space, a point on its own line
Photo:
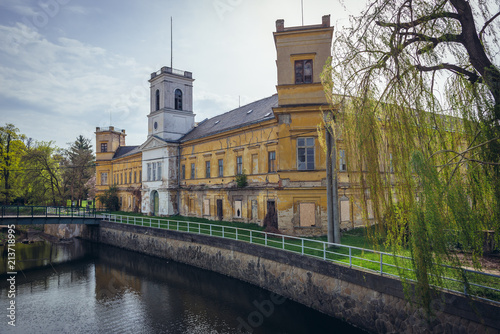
171 112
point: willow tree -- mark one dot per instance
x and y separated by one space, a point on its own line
417 94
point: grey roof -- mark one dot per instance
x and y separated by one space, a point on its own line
261 110
124 151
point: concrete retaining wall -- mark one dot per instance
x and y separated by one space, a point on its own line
364 299
65 231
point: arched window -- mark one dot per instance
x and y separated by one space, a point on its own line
157 99
178 99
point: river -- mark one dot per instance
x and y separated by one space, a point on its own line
83 287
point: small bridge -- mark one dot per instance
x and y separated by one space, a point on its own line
30 215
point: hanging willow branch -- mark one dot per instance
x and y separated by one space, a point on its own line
420 97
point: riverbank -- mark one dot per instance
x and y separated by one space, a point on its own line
26 234
104 289
365 299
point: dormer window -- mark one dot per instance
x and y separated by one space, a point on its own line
178 99
157 100
303 71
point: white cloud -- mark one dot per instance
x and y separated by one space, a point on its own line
109 48
21 7
67 81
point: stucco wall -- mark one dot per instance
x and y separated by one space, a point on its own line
364 299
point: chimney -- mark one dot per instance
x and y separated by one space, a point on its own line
280 25
325 21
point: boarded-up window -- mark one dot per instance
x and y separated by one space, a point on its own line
206 207
307 214
255 164
255 210
173 200
345 210
191 205
237 209
369 208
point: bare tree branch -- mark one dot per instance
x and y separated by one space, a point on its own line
423 19
446 38
467 150
473 77
486 25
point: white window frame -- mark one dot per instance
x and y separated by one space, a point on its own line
271 163
220 164
104 178
239 165
304 143
208 171
158 171
149 171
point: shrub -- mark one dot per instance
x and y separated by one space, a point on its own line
241 180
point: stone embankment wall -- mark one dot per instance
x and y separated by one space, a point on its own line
366 300
65 231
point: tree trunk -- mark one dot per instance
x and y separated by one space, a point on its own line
6 172
477 55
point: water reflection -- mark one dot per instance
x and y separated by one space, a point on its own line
43 254
107 289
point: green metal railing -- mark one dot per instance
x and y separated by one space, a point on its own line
480 285
21 211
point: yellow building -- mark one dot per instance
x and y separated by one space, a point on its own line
273 141
120 165
262 162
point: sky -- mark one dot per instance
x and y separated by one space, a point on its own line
69 66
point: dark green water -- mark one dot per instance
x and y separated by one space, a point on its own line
90 288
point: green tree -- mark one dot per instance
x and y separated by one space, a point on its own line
78 168
416 97
42 175
91 188
110 198
11 151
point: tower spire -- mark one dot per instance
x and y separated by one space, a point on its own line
171 44
302 10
